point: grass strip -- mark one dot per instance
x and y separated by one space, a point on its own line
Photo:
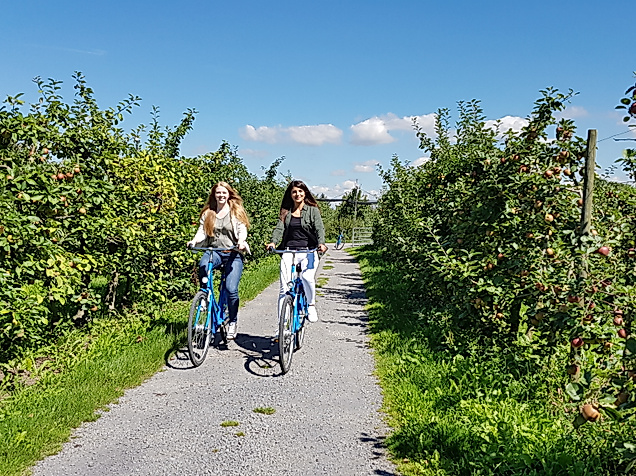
468 410
35 421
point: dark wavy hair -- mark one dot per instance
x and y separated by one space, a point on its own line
287 204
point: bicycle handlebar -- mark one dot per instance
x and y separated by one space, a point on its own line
281 252
193 248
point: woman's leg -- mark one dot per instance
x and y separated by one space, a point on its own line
203 265
233 272
285 277
309 264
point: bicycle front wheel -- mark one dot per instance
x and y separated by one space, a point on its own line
198 329
340 244
285 334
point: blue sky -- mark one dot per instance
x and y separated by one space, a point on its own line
330 85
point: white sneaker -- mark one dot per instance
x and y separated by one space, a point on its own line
231 330
312 315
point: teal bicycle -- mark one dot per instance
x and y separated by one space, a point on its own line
340 242
293 314
208 316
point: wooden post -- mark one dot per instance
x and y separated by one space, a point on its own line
588 190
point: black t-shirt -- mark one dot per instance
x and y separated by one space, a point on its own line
297 237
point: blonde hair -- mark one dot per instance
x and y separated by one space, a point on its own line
235 203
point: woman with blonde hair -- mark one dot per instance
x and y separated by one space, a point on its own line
223 223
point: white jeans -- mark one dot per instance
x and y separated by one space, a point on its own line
308 263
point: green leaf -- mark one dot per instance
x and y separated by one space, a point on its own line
573 389
630 345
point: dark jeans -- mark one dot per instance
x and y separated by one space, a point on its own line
232 264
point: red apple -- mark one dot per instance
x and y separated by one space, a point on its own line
577 342
590 413
622 333
618 321
603 250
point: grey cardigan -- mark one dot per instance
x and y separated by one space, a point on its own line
310 220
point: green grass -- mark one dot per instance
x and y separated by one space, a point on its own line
327 267
469 410
90 369
265 410
225 424
321 282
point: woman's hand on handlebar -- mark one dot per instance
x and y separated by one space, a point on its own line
270 246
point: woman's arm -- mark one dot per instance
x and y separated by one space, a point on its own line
279 231
200 235
241 236
320 227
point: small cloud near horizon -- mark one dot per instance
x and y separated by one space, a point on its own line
336 191
366 167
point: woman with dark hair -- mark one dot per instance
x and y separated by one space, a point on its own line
223 223
299 227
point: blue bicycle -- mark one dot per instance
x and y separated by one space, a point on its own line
340 242
293 312
208 316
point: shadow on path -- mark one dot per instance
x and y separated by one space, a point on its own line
260 354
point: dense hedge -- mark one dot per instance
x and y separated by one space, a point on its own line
95 218
492 227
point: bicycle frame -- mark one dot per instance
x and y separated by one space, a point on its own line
295 286
215 310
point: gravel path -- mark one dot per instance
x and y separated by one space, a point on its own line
327 419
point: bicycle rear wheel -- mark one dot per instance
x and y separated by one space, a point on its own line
285 335
339 244
198 329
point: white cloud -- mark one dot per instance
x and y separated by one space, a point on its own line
365 167
340 189
419 161
376 130
371 132
572 112
306 135
506 123
262 134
